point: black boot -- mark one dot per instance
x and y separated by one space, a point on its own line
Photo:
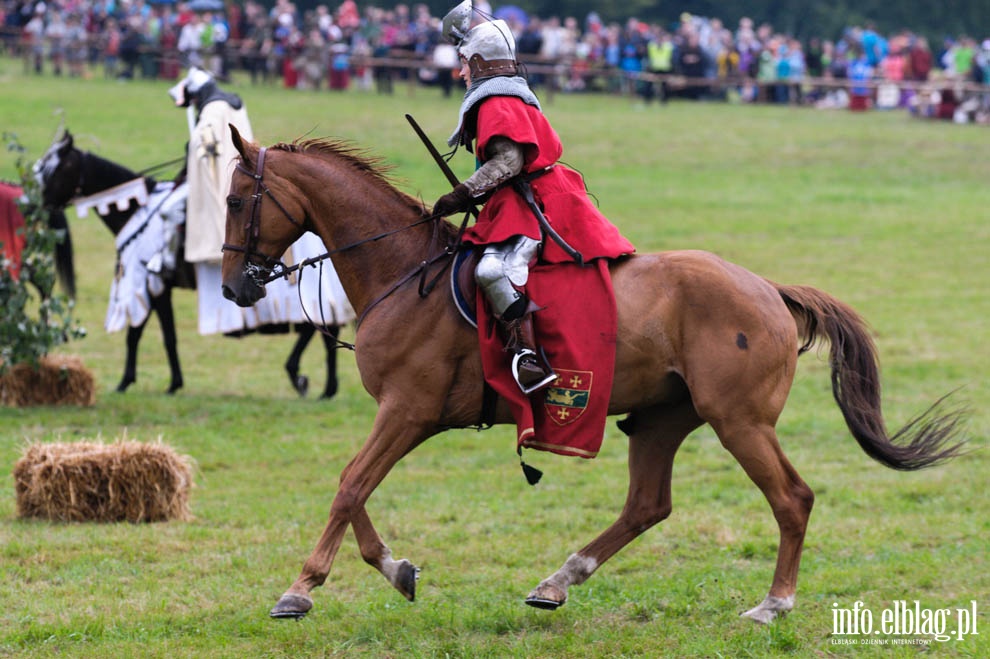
529 368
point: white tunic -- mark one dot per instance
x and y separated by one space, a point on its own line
146 253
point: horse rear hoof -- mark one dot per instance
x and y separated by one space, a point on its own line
291 606
770 609
330 390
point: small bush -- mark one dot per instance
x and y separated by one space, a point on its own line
30 328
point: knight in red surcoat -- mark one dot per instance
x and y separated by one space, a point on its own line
534 207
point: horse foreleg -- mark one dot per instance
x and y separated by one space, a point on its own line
330 334
299 382
654 437
393 435
130 360
166 319
759 453
401 573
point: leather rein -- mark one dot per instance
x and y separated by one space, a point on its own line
271 268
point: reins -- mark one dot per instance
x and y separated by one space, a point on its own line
160 166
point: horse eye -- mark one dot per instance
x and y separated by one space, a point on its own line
235 203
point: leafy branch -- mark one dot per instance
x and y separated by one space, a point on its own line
31 328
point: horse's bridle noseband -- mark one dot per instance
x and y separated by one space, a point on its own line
260 272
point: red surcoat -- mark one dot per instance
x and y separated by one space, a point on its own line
560 192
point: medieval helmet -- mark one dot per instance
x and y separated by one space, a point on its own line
189 87
457 22
489 47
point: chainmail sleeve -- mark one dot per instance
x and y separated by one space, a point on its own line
505 160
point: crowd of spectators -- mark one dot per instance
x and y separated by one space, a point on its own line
341 46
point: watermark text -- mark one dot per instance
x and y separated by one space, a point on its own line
858 625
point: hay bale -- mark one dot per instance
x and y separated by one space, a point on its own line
58 380
96 482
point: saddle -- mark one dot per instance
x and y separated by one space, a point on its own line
463 287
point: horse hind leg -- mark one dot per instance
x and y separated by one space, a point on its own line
654 437
756 448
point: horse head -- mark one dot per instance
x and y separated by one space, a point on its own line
59 171
262 222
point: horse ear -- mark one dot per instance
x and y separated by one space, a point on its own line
237 140
67 143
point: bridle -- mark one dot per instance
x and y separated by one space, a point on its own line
271 268
259 272
45 174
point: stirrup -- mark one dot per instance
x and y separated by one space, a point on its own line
539 384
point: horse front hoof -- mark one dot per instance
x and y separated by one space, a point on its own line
292 606
547 597
405 579
124 384
175 386
301 384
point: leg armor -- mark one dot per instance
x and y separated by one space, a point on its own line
502 267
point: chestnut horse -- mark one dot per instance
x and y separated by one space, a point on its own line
700 341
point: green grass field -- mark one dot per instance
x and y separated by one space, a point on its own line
885 212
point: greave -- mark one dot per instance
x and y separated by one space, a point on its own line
529 366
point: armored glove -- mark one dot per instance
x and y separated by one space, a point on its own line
455 201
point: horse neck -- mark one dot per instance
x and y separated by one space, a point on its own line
348 217
99 174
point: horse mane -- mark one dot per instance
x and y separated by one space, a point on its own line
356 157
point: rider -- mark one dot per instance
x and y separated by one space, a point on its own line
517 151
210 157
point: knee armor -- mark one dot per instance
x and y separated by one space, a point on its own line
504 266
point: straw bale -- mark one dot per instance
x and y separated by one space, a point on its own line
58 380
90 481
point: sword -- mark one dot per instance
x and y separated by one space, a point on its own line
444 167
519 183
523 187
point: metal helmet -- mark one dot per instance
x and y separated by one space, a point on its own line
490 50
457 22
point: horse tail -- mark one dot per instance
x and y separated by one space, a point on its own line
65 268
926 440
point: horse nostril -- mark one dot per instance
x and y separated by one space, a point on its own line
229 293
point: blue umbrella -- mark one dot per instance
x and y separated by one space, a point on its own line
512 13
206 5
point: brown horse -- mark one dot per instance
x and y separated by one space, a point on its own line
700 341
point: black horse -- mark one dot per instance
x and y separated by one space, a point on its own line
65 173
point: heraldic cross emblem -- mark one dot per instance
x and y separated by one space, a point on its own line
567 397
